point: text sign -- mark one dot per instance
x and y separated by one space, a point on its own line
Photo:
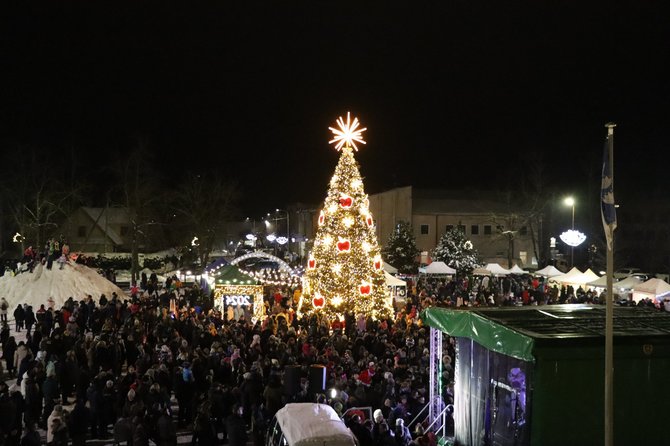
236 299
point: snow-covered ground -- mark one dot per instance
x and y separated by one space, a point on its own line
74 280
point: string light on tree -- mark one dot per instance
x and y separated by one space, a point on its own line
344 274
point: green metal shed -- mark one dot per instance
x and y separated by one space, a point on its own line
535 375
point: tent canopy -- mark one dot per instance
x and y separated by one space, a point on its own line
393 281
390 268
549 271
601 282
496 269
516 270
628 283
231 275
652 289
437 268
572 276
481 271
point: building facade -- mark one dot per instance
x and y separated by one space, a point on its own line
498 229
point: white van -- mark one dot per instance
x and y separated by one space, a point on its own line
308 424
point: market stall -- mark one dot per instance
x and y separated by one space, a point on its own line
238 291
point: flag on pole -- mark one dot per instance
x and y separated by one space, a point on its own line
607 209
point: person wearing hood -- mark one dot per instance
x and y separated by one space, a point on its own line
8 350
19 316
4 306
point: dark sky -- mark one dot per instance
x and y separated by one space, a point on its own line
456 94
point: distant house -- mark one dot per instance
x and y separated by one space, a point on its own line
98 230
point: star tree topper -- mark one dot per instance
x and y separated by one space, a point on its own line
348 133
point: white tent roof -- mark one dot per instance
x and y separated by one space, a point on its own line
393 281
437 268
481 271
496 269
589 276
601 282
652 288
516 270
628 283
390 268
572 276
549 271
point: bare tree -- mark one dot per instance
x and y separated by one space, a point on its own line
204 203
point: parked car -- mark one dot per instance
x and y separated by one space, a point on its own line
625 272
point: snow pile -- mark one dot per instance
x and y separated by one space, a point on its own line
73 280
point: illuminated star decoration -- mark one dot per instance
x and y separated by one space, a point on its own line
348 134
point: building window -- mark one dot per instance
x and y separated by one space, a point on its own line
125 230
487 229
474 230
424 229
523 230
461 228
448 228
81 231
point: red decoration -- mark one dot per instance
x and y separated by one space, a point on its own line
378 264
365 289
322 217
346 201
344 245
311 263
318 302
369 220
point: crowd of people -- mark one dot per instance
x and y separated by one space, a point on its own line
132 369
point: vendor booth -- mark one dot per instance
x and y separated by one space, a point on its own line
234 289
437 269
535 375
654 289
548 271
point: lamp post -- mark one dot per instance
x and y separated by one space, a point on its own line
570 201
288 230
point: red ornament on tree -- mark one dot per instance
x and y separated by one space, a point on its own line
365 288
378 264
322 217
369 220
343 245
346 201
318 301
311 263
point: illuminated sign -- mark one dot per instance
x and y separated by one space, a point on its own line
237 299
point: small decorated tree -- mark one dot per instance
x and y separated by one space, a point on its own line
456 251
344 273
401 250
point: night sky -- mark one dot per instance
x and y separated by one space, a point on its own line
457 94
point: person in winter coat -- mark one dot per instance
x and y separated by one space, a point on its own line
56 427
8 351
235 427
29 319
4 306
78 428
19 317
31 437
19 355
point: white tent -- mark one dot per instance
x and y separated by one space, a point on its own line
481 271
437 268
601 282
548 271
516 270
628 283
573 276
496 269
651 289
390 269
589 276
393 281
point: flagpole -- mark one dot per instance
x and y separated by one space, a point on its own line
609 348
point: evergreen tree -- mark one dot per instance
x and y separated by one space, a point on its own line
401 250
456 251
344 273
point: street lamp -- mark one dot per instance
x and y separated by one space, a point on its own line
288 229
570 201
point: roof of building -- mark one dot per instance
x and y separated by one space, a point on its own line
102 217
435 201
517 331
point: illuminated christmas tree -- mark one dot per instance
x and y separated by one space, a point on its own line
344 272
